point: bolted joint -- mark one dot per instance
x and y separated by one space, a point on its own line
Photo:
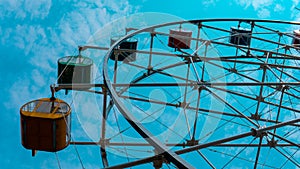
104 89
258 133
279 87
272 143
103 142
183 104
158 161
287 47
285 87
264 66
152 34
255 116
150 70
82 48
192 142
233 70
191 58
248 54
207 43
260 99
195 86
52 88
199 25
200 88
282 88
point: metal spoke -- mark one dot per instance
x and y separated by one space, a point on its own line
196 114
240 158
291 157
229 105
197 147
288 158
284 139
258 153
208 162
237 154
243 71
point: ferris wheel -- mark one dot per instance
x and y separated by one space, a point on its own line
210 93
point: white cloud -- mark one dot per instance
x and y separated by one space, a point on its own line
295 2
37 9
294 11
38 78
259 4
26 36
209 2
278 8
263 13
20 94
25 8
29 30
245 3
42 44
264 8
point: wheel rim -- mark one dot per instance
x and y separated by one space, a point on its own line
267 85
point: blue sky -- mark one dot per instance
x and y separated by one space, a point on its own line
34 34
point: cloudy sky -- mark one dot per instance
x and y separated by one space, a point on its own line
34 34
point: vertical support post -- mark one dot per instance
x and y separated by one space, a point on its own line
281 73
104 112
260 97
237 48
150 54
203 67
158 161
186 82
115 65
52 88
198 37
277 50
252 27
33 152
103 129
79 54
196 113
184 104
258 152
279 108
52 98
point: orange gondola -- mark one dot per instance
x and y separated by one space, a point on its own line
45 125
